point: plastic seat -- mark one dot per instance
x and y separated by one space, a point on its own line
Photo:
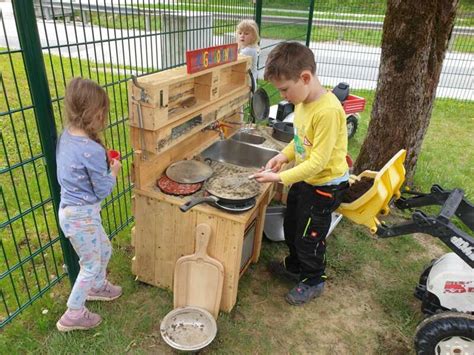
387 183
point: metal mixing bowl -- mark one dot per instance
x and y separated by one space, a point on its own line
188 328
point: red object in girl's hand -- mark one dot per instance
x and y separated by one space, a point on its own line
113 154
349 161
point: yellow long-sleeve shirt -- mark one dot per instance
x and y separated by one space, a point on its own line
319 146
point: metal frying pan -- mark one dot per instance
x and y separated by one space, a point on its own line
225 191
216 202
260 105
189 171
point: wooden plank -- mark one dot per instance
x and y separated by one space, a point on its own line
179 73
257 245
183 234
244 217
153 107
227 248
134 266
132 235
167 137
146 171
164 262
199 277
231 240
145 228
196 108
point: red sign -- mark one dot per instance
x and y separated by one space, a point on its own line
205 58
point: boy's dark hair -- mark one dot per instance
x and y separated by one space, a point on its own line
287 60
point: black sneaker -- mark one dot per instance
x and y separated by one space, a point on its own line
303 293
278 269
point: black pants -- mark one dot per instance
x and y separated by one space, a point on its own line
307 222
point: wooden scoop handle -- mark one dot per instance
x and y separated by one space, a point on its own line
203 233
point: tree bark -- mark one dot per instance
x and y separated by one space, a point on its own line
414 42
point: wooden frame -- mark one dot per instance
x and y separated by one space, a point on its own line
162 233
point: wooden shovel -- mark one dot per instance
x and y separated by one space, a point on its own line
198 278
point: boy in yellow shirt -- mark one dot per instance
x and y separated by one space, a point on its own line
320 175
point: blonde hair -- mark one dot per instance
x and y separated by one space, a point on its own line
86 104
251 26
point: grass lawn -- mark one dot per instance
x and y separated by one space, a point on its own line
368 306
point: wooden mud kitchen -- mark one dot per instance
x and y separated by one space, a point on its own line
175 117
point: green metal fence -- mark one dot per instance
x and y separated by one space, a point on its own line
44 43
347 41
346 35
109 44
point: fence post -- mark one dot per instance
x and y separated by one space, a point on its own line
38 82
310 22
258 14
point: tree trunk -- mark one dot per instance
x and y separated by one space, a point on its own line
414 42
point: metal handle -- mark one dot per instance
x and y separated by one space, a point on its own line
196 201
143 95
252 81
142 133
143 98
161 100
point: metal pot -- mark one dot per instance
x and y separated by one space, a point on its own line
283 131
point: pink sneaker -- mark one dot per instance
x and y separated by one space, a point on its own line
83 321
108 293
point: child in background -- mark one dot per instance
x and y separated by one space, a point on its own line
247 39
320 176
85 180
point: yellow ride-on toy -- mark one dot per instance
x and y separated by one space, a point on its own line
446 286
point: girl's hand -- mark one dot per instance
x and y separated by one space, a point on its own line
267 177
276 162
115 166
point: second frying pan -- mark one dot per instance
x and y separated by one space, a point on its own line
189 171
224 191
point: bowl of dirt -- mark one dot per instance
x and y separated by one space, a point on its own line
188 328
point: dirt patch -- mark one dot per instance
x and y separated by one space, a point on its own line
434 247
344 320
357 189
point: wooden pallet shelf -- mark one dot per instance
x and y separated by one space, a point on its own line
174 94
227 109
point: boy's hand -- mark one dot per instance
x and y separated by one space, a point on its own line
276 162
115 166
267 177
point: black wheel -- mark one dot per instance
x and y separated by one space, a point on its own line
352 123
445 333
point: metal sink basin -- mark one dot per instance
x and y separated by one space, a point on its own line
238 153
248 138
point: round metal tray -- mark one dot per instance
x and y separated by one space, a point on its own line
188 328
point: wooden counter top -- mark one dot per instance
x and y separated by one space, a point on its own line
241 217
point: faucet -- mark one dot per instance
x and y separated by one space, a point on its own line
215 126
246 127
